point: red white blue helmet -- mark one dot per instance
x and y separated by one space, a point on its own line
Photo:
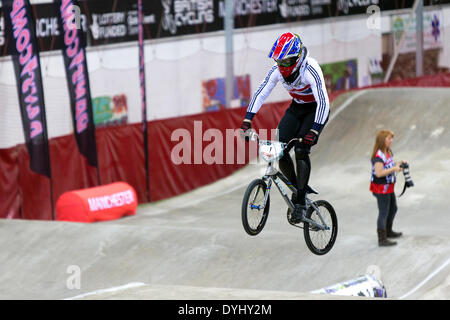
288 52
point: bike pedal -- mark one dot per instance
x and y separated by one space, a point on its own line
297 221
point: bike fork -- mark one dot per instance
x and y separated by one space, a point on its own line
266 196
312 222
316 208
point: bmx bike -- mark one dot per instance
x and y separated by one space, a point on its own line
320 223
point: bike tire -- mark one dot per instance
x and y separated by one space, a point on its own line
254 228
308 232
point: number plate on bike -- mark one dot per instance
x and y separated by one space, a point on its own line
270 150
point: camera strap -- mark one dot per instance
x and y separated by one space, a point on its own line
404 189
408 180
407 184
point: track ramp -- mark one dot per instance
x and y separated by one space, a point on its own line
194 247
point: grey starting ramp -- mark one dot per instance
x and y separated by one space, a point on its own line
194 247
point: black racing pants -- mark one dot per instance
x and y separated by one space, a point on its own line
296 123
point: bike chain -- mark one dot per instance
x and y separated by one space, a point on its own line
293 224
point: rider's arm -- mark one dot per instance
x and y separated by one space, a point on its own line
263 92
314 76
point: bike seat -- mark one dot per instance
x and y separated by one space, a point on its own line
309 189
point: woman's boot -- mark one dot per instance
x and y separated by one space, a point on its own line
390 233
383 240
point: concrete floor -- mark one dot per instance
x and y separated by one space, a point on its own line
194 247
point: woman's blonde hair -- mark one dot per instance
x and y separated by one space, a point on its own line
380 142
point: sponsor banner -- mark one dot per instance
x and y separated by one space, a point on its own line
213 92
364 286
23 47
77 79
186 17
109 111
432 31
105 22
341 75
115 200
100 22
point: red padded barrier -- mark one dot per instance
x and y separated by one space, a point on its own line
168 179
10 200
107 202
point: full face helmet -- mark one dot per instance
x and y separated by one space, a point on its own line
288 52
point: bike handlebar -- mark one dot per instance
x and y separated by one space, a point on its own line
292 140
254 136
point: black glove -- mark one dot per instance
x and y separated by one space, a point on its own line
310 138
246 125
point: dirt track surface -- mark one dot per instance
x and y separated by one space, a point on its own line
194 247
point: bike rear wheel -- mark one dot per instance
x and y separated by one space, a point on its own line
321 241
254 217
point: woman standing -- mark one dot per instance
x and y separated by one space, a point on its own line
382 186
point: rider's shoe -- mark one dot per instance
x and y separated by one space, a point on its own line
298 214
294 201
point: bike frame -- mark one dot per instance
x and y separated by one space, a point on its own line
277 177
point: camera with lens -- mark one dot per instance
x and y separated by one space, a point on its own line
408 180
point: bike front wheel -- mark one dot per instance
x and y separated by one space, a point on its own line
254 212
320 241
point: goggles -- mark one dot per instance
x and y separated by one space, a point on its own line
287 62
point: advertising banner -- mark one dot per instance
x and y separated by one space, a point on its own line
213 93
432 31
77 79
341 75
110 111
364 286
23 48
104 22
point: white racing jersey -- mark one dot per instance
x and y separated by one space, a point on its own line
308 87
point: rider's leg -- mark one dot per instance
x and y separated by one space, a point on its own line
287 168
302 157
287 130
303 171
